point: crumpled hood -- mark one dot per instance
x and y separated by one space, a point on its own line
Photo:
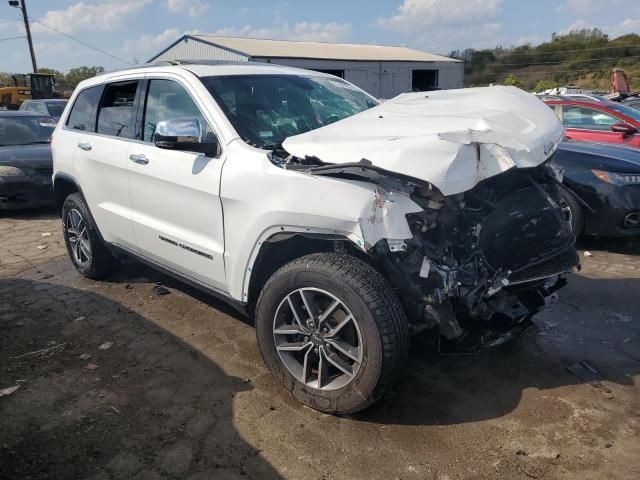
452 138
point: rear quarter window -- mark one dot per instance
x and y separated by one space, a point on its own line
83 112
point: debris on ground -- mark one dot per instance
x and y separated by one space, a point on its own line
521 452
79 319
91 366
587 253
8 391
85 356
115 409
160 290
45 276
41 247
105 346
45 234
43 350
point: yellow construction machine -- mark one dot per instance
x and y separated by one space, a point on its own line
27 87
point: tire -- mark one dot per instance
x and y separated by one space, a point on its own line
574 210
377 336
89 256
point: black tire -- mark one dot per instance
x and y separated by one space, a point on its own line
100 262
575 210
380 319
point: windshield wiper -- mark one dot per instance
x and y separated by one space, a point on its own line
39 142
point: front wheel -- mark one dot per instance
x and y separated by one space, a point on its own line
332 331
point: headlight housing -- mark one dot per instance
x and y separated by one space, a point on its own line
9 171
617 178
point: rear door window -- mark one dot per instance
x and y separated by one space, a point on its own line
83 112
116 113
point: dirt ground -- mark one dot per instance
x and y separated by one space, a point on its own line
135 385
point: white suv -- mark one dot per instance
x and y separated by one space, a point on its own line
343 225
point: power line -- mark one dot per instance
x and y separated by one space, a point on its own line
82 42
516 72
543 52
11 38
526 64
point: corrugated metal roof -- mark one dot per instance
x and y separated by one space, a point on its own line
318 50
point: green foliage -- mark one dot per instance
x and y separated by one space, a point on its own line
543 85
512 80
76 75
585 57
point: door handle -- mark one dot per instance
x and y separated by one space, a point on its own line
139 158
86 146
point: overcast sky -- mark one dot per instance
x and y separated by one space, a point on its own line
133 30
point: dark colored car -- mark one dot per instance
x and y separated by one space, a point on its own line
609 122
26 165
51 107
602 183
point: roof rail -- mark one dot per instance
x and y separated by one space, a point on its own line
184 61
178 62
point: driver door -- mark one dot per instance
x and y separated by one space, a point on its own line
176 208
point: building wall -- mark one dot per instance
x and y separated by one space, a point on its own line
188 49
396 76
381 79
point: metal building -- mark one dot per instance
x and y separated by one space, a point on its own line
382 71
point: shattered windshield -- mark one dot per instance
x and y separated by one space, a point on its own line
266 109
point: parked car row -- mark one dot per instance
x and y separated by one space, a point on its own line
25 159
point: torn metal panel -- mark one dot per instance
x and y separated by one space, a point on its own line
452 139
387 219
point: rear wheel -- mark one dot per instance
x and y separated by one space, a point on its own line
88 253
332 331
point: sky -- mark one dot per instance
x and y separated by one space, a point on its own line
133 30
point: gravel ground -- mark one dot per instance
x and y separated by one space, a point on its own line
129 384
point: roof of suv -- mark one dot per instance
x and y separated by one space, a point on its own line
204 68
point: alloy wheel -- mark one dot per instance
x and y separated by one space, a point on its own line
78 236
318 339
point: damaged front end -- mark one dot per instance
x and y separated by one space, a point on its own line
487 242
480 263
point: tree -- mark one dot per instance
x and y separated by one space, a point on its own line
76 75
512 80
543 85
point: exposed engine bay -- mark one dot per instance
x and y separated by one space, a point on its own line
480 263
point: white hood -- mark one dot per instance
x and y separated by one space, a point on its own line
452 138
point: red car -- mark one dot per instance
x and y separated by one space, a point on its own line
606 121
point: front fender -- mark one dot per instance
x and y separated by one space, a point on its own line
261 199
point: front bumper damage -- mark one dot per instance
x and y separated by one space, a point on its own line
473 240
482 263
474 266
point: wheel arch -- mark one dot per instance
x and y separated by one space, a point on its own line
284 246
63 186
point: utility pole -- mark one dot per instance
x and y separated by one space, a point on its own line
21 4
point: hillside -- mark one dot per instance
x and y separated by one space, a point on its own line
582 57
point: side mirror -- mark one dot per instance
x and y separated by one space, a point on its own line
624 129
184 134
